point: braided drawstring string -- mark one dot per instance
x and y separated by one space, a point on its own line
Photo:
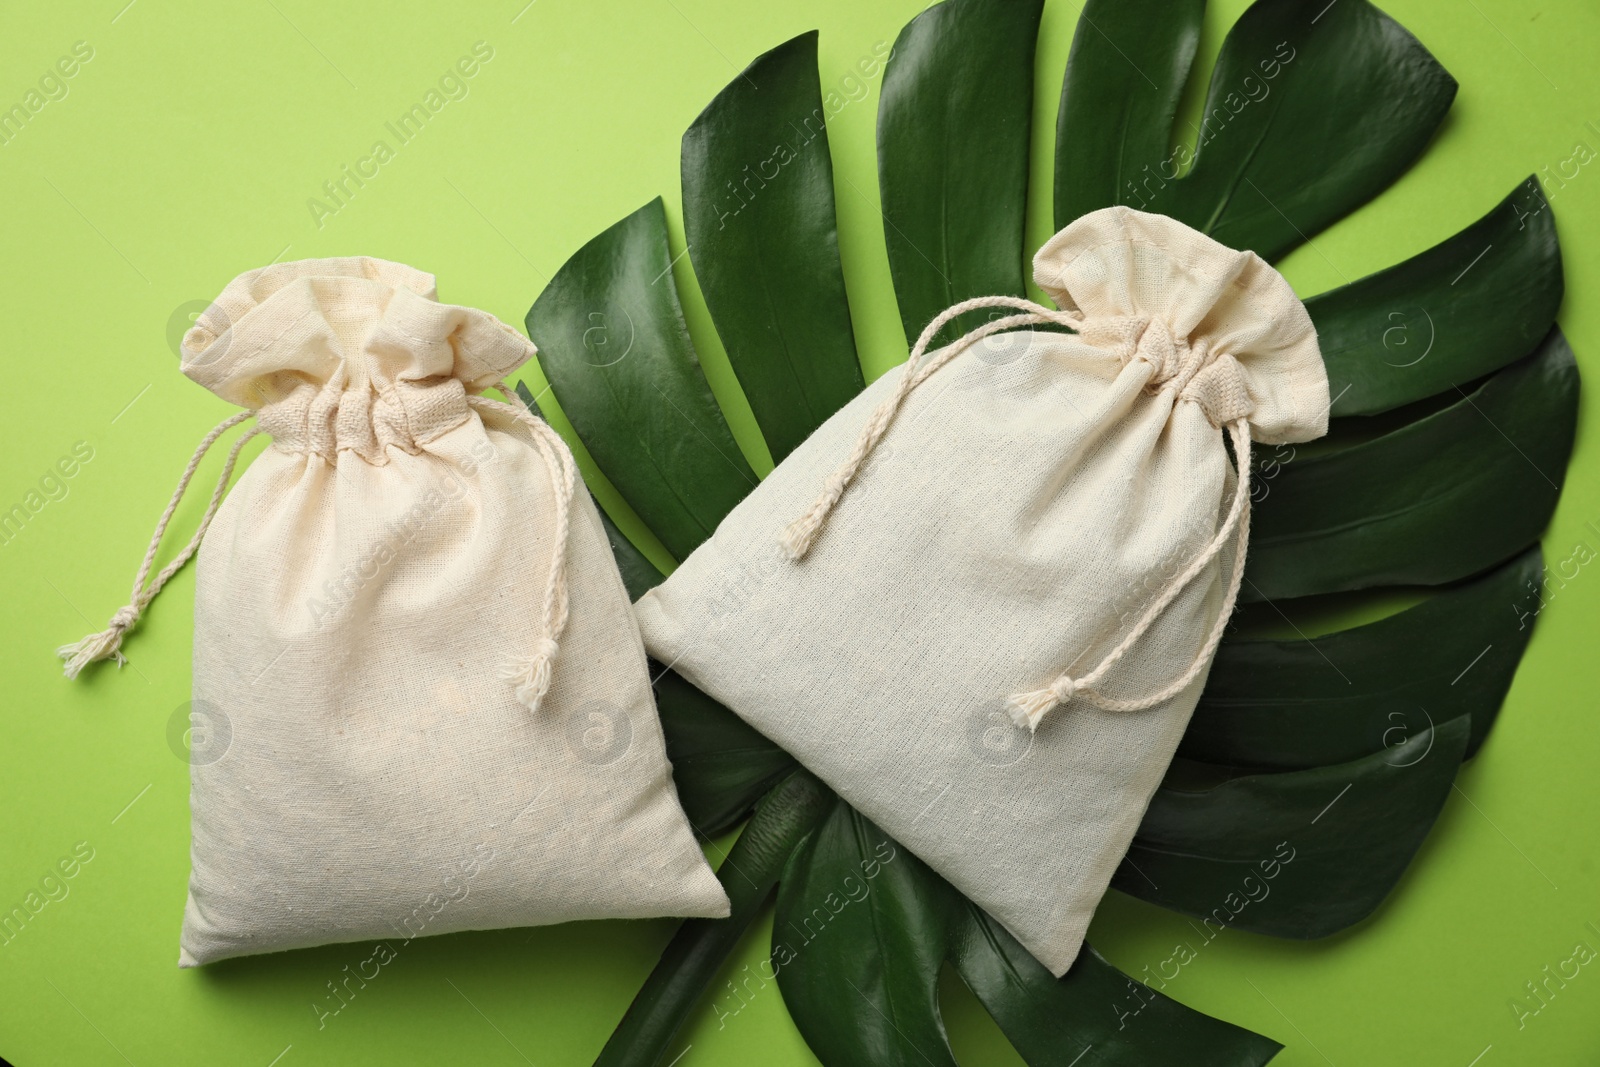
1027 709
531 674
107 644
802 533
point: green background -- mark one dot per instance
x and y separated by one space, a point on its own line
186 150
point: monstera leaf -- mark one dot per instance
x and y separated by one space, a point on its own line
1316 763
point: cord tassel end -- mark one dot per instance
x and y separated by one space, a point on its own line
532 674
107 644
1027 710
797 538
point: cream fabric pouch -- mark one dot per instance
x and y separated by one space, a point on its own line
409 624
981 601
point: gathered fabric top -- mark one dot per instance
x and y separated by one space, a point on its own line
1221 327
353 354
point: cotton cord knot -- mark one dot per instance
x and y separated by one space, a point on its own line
1027 709
1195 371
532 674
107 644
798 537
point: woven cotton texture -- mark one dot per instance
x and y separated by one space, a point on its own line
357 595
1027 502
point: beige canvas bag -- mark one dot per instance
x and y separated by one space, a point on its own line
981 600
411 629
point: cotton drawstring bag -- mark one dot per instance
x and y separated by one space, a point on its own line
981 600
411 629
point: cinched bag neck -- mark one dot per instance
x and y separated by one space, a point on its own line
1196 371
365 420
374 326
350 356
354 354
1147 286
1219 328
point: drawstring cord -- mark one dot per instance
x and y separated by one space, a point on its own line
107 644
799 536
532 673
1028 709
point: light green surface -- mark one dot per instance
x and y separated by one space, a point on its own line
186 151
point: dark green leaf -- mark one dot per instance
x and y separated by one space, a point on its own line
721 765
614 346
863 927
1437 500
526 396
758 215
639 575
1288 705
1314 108
857 943
953 138
1054 1022
1454 313
1344 103
1300 854
698 950
1125 77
